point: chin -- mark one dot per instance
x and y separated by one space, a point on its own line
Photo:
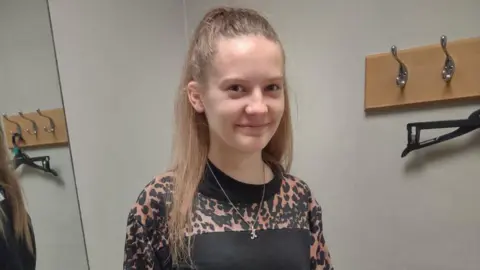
250 144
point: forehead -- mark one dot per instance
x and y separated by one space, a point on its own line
248 57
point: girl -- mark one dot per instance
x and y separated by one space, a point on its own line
229 202
17 240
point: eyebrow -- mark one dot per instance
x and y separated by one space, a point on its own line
240 79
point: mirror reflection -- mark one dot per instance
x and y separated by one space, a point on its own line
40 220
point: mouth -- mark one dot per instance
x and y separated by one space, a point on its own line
254 125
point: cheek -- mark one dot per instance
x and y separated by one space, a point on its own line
222 115
277 109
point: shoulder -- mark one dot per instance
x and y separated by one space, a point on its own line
297 185
301 193
153 200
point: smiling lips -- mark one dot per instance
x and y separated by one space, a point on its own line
255 130
253 125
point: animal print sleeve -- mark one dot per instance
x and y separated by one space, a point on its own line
146 237
319 255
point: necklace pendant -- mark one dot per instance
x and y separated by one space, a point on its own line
253 234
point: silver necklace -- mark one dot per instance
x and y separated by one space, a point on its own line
253 233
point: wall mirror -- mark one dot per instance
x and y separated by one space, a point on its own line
30 95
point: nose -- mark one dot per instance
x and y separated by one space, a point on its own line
256 104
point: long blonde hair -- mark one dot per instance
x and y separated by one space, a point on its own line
191 136
14 197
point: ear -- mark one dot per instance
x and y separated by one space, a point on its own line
194 96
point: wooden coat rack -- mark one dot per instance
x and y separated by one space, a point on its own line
423 75
39 128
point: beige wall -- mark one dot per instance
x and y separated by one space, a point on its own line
120 63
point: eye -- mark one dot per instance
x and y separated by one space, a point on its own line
273 87
235 88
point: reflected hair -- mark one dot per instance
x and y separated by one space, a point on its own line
13 199
191 134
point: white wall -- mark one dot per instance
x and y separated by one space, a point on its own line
29 81
381 211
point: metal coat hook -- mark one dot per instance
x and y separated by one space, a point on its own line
449 66
402 76
50 129
19 128
34 125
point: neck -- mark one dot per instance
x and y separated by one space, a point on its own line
244 167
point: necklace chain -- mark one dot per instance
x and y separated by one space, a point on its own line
253 234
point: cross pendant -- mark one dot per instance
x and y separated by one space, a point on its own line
253 234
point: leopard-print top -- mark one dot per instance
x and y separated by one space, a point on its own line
290 209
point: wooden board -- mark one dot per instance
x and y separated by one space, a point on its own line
425 84
42 138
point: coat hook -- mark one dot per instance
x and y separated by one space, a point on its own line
50 129
19 128
402 76
449 66
34 124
